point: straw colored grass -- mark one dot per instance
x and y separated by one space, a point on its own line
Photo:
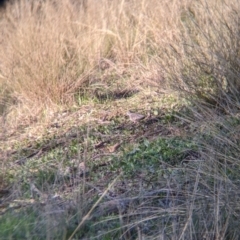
51 51
179 165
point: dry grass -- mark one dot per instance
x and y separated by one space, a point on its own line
207 65
95 56
52 51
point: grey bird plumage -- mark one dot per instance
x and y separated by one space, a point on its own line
135 117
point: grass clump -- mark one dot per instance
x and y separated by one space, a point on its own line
208 60
19 224
88 171
66 50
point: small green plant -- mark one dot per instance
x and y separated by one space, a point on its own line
151 155
20 225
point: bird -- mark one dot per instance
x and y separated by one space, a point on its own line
135 117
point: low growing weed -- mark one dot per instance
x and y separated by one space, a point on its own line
151 155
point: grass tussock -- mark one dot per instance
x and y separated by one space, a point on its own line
51 51
207 64
174 174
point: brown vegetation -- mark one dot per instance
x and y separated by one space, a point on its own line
70 72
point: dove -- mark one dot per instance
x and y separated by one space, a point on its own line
135 117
